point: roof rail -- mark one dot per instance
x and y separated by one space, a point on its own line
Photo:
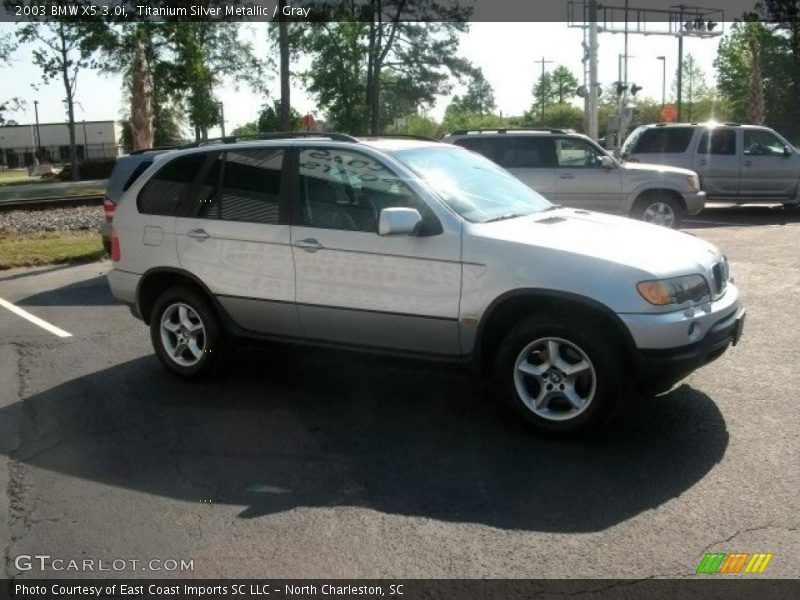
156 149
273 135
507 130
400 136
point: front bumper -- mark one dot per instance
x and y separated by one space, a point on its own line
658 370
695 202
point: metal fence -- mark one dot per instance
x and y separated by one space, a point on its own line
17 158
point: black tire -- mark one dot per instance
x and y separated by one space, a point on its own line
213 343
611 388
659 200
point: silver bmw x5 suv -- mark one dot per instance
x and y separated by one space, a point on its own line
421 249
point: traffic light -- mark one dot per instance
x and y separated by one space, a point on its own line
619 87
635 88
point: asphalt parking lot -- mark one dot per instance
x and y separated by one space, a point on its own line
323 464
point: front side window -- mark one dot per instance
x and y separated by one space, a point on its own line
762 143
576 153
340 189
717 141
167 192
471 185
243 185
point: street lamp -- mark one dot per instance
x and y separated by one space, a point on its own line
663 60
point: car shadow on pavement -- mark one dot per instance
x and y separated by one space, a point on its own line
742 216
86 292
309 428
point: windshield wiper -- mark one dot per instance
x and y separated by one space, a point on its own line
504 217
553 207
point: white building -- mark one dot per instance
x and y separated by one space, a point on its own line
94 139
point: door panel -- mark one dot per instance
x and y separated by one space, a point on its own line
717 161
766 171
357 287
581 181
237 244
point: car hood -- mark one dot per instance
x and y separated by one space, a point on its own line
653 249
652 168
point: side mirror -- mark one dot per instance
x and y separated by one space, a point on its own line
399 221
607 162
787 152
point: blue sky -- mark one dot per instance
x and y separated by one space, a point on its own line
505 51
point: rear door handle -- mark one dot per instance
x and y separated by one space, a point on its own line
567 176
704 162
198 234
309 245
748 163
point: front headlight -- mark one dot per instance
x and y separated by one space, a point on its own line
676 290
694 182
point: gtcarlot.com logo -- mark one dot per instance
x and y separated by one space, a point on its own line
45 562
736 562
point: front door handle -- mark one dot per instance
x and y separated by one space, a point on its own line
309 245
704 162
198 234
748 163
567 176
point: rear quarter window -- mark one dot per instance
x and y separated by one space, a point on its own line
167 192
662 140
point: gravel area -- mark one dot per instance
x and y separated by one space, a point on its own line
55 219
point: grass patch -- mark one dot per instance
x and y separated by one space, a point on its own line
16 177
52 190
47 248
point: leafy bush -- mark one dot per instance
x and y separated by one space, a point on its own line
90 169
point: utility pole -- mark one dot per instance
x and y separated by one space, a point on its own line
38 133
542 61
680 61
592 98
221 117
663 60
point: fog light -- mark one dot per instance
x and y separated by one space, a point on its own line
692 329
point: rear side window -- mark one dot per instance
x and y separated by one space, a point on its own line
661 140
243 185
491 148
140 168
717 141
167 192
515 152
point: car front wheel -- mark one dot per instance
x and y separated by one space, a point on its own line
659 209
186 334
562 378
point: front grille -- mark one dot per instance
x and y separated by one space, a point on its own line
720 274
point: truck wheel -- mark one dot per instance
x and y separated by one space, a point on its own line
186 334
565 378
659 209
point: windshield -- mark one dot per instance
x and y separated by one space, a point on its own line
473 186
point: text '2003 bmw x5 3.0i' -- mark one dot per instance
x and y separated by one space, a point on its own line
416 248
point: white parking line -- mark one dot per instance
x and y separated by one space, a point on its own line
35 320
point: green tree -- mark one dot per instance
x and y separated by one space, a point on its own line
735 74
479 97
410 45
563 84
543 91
562 116
7 104
271 119
695 88
784 18
61 50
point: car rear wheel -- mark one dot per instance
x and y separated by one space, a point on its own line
186 334
659 209
563 378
